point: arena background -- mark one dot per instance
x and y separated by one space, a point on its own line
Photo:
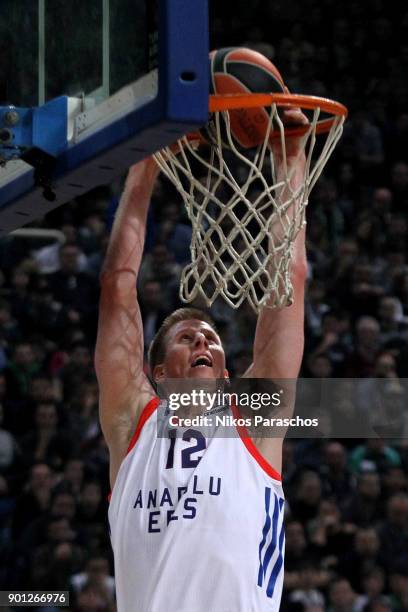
347 499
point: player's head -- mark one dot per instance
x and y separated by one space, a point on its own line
187 345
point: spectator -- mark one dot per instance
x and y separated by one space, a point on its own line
348 190
47 443
96 259
173 233
73 477
327 213
367 345
392 321
328 534
159 265
153 308
380 401
343 598
21 370
342 265
77 369
43 388
305 504
35 498
374 454
52 563
394 530
333 341
363 556
398 578
319 366
91 235
296 554
380 604
364 507
368 234
76 290
336 477
19 297
373 584
382 205
9 331
91 515
44 311
307 594
48 258
315 308
365 288
96 575
394 481
366 145
83 415
93 600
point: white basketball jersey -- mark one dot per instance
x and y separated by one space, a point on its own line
196 524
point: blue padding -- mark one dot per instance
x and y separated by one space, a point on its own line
50 126
183 45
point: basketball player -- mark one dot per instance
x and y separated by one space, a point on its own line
196 524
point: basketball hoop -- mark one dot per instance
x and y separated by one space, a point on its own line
244 213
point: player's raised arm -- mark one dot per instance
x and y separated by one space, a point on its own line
124 388
279 337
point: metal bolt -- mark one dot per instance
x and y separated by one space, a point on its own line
11 117
6 136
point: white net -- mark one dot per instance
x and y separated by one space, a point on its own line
244 211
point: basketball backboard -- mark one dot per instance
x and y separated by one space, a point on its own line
96 86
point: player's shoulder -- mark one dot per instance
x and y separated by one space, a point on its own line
120 427
123 432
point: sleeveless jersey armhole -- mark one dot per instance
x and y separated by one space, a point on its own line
252 449
144 416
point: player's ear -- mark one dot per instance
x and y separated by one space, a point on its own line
158 372
226 374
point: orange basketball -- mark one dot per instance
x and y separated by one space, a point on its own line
240 70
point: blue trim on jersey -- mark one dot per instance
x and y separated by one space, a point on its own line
265 530
275 539
272 544
279 561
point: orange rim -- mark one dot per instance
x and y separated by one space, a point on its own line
220 102
223 102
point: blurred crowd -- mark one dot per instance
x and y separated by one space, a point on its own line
347 499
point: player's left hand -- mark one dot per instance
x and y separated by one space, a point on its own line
291 118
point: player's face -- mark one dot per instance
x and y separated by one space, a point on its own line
193 350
